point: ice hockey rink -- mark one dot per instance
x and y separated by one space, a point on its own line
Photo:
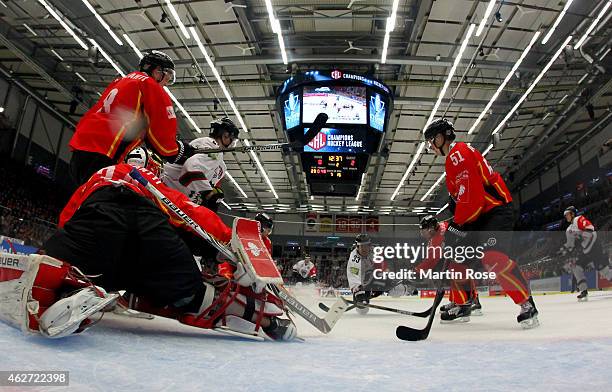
569 351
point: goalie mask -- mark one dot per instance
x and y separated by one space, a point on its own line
141 157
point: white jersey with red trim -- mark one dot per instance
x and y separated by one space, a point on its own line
305 268
582 230
198 174
357 268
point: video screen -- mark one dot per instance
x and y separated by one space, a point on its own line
343 104
377 112
292 110
334 140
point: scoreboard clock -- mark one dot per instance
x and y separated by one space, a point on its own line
358 110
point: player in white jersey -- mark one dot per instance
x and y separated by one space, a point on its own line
359 273
304 270
582 232
200 176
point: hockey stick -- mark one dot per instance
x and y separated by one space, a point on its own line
314 129
424 313
413 334
324 325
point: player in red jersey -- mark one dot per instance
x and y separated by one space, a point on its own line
115 229
462 291
482 206
132 110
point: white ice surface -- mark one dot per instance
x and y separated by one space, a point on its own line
570 351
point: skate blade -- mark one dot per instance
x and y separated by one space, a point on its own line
477 312
585 299
530 323
458 320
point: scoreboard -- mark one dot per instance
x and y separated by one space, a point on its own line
358 110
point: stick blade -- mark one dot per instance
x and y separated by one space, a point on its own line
415 335
315 128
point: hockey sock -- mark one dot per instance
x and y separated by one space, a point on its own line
580 278
508 275
462 292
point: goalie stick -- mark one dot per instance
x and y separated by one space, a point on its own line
322 324
352 304
314 129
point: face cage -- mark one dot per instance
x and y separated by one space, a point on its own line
172 78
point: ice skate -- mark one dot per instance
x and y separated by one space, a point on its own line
528 318
583 296
476 308
457 314
447 307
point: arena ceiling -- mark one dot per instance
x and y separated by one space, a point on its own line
402 178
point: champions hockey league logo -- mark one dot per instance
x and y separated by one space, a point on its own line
336 74
319 141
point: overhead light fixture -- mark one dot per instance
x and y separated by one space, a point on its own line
533 84
175 15
434 186
503 84
486 151
564 98
30 30
57 55
583 77
363 176
410 166
546 116
60 19
233 106
132 45
226 205
107 57
1 109
102 22
557 21
592 26
5 6
182 109
445 206
276 28
233 180
80 76
390 26
451 73
604 54
212 67
484 19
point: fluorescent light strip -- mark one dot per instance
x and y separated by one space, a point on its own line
451 73
545 117
30 30
557 21
107 57
485 152
276 28
261 168
564 98
483 22
604 54
533 84
233 180
80 76
363 176
2 2
582 78
102 22
59 18
182 109
412 163
175 15
132 45
592 26
226 92
57 54
434 186
445 206
449 78
503 84
226 205
388 29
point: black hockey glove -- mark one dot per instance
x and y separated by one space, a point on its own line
185 152
455 235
